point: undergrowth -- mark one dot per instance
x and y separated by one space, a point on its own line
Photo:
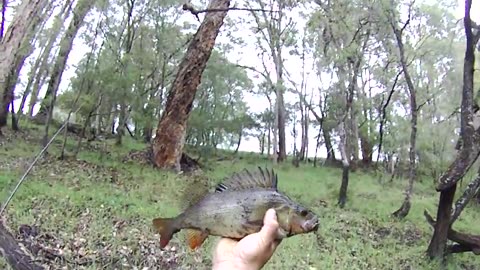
95 212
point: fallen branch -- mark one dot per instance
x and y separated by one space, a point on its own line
466 242
15 254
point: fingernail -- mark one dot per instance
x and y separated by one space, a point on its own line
274 214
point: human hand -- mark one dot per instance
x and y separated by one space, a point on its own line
253 251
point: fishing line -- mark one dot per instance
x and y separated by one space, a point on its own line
65 123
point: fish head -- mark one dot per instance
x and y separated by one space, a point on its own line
295 219
303 220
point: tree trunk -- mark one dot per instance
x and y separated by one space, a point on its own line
405 208
238 142
147 133
471 190
122 118
469 146
39 68
304 124
15 254
367 150
279 87
2 23
342 196
171 130
438 243
282 151
81 10
262 143
296 158
37 23
46 110
354 137
317 145
305 137
269 138
14 118
328 145
14 45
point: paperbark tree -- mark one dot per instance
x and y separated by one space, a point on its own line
171 130
14 47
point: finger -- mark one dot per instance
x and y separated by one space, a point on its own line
270 227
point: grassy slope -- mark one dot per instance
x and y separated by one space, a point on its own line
97 211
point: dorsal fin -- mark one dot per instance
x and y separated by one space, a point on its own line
192 189
264 179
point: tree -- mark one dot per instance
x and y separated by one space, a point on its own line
40 67
46 110
468 152
14 48
171 130
405 208
277 31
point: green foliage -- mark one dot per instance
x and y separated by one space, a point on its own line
220 113
99 210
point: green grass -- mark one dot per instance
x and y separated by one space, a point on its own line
97 211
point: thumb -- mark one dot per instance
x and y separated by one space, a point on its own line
270 227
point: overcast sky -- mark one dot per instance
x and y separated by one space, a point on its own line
246 55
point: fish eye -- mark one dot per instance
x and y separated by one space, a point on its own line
304 213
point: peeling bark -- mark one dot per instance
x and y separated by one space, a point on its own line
14 47
171 131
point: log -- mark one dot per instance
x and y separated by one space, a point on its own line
14 253
466 242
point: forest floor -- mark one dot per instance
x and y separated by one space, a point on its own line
95 212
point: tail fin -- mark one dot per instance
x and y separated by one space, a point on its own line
165 227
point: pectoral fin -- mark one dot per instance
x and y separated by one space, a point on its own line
196 238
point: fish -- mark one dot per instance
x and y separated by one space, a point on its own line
236 208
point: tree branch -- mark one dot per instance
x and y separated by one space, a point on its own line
189 7
470 191
384 113
466 242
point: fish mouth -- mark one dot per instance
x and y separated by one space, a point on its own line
311 225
